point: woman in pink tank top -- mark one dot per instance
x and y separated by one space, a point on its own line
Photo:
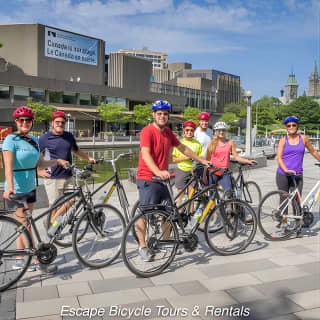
219 151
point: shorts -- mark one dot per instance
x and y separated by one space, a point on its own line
55 188
152 192
10 204
182 178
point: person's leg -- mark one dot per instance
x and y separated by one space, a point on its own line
282 184
226 185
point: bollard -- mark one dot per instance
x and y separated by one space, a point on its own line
130 139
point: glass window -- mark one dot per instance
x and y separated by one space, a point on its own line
4 92
69 98
85 98
94 100
38 94
55 97
21 93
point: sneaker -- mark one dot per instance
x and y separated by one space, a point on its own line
20 264
145 254
46 268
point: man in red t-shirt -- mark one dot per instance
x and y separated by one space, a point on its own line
156 141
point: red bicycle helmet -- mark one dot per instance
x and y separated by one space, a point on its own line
23 111
189 123
58 114
203 116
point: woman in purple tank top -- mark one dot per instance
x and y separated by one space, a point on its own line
290 155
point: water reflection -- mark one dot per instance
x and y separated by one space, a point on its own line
104 170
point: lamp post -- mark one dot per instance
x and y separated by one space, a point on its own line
248 125
68 124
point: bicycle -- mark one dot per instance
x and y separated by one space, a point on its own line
103 221
165 231
188 209
281 213
65 238
249 191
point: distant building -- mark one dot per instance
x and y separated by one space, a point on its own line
158 59
291 90
314 83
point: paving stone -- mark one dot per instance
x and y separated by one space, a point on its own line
286 317
294 260
271 308
177 276
74 289
218 298
312 314
307 300
111 298
69 277
245 294
116 272
313 267
228 282
52 317
44 293
189 288
119 284
238 267
44 307
159 292
298 249
159 308
279 274
19 295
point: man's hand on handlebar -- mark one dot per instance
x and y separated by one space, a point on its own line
163 174
63 163
92 160
206 163
251 162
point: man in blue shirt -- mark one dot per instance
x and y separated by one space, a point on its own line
59 144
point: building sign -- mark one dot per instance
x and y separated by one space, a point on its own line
70 47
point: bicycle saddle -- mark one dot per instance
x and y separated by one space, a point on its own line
20 196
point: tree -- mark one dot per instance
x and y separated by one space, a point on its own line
237 108
229 117
265 114
191 114
114 112
1 45
42 113
143 113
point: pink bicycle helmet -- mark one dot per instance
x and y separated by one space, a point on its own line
23 111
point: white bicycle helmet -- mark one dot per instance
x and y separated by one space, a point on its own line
220 125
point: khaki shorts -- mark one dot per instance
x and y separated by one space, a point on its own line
55 188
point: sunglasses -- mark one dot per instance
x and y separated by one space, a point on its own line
291 126
189 130
22 120
60 122
221 130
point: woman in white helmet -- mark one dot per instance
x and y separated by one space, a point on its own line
218 153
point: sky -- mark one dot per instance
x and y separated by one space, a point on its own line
262 41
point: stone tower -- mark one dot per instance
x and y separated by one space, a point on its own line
291 88
314 83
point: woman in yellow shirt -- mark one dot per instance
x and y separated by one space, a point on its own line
185 163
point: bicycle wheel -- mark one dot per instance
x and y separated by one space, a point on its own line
274 215
10 231
239 227
161 238
101 242
216 222
71 216
251 194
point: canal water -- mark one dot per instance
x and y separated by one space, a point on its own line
104 170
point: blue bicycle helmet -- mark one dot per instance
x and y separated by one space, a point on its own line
161 105
291 119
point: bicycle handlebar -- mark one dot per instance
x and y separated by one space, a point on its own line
128 154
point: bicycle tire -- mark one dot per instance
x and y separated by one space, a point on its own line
155 220
252 194
270 222
112 233
64 238
8 276
245 222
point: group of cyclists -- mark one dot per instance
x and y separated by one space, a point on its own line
22 159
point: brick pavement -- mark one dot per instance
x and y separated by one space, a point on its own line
274 280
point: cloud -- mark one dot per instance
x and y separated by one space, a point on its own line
164 25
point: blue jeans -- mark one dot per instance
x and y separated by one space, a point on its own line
224 180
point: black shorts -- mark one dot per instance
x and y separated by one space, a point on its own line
10 204
152 192
182 178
